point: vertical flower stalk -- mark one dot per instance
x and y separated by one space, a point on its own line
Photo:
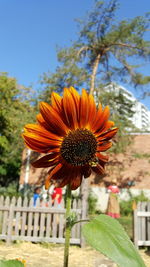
68 226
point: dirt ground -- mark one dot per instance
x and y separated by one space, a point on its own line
47 255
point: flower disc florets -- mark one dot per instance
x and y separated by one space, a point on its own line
78 147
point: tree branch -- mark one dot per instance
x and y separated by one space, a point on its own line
83 48
126 45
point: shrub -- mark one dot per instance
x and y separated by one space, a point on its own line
126 206
92 201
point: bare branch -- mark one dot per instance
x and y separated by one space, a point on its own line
83 48
126 45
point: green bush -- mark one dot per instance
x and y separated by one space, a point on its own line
92 201
126 206
12 191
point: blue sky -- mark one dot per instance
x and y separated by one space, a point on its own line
30 30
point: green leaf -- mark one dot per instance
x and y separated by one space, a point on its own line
11 263
106 235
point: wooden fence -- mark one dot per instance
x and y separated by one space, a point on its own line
142 224
21 220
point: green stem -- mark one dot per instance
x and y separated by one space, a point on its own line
81 221
68 226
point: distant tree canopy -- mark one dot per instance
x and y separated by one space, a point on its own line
106 50
16 110
121 111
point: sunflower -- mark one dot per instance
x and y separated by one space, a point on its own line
73 133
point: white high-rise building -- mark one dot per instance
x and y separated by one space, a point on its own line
141 117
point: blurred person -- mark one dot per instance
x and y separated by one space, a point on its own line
56 194
113 208
36 195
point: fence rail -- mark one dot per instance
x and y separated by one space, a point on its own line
142 224
21 220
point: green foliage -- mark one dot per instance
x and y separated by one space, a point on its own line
17 109
126 206
11 263
106 235
11 190
92 201
141 156
105 51
121 112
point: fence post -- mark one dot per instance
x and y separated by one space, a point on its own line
84 205
10 223
135 227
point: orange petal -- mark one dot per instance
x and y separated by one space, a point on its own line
40 144
101 119
42 122
35 148
41 139
47 183
107 135
102 157
39 130
56 101
70 109
46 161
53 119
76 98
105 127
104 146
84 108
92 110
97 117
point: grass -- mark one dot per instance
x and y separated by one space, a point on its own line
141 156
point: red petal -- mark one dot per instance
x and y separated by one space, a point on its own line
76 178
46 161
98 169
86 171
51 174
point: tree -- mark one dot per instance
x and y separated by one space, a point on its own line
106 50
122 110
16 110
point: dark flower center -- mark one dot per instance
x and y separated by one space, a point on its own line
79 147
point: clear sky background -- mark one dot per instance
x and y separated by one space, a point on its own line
30 30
